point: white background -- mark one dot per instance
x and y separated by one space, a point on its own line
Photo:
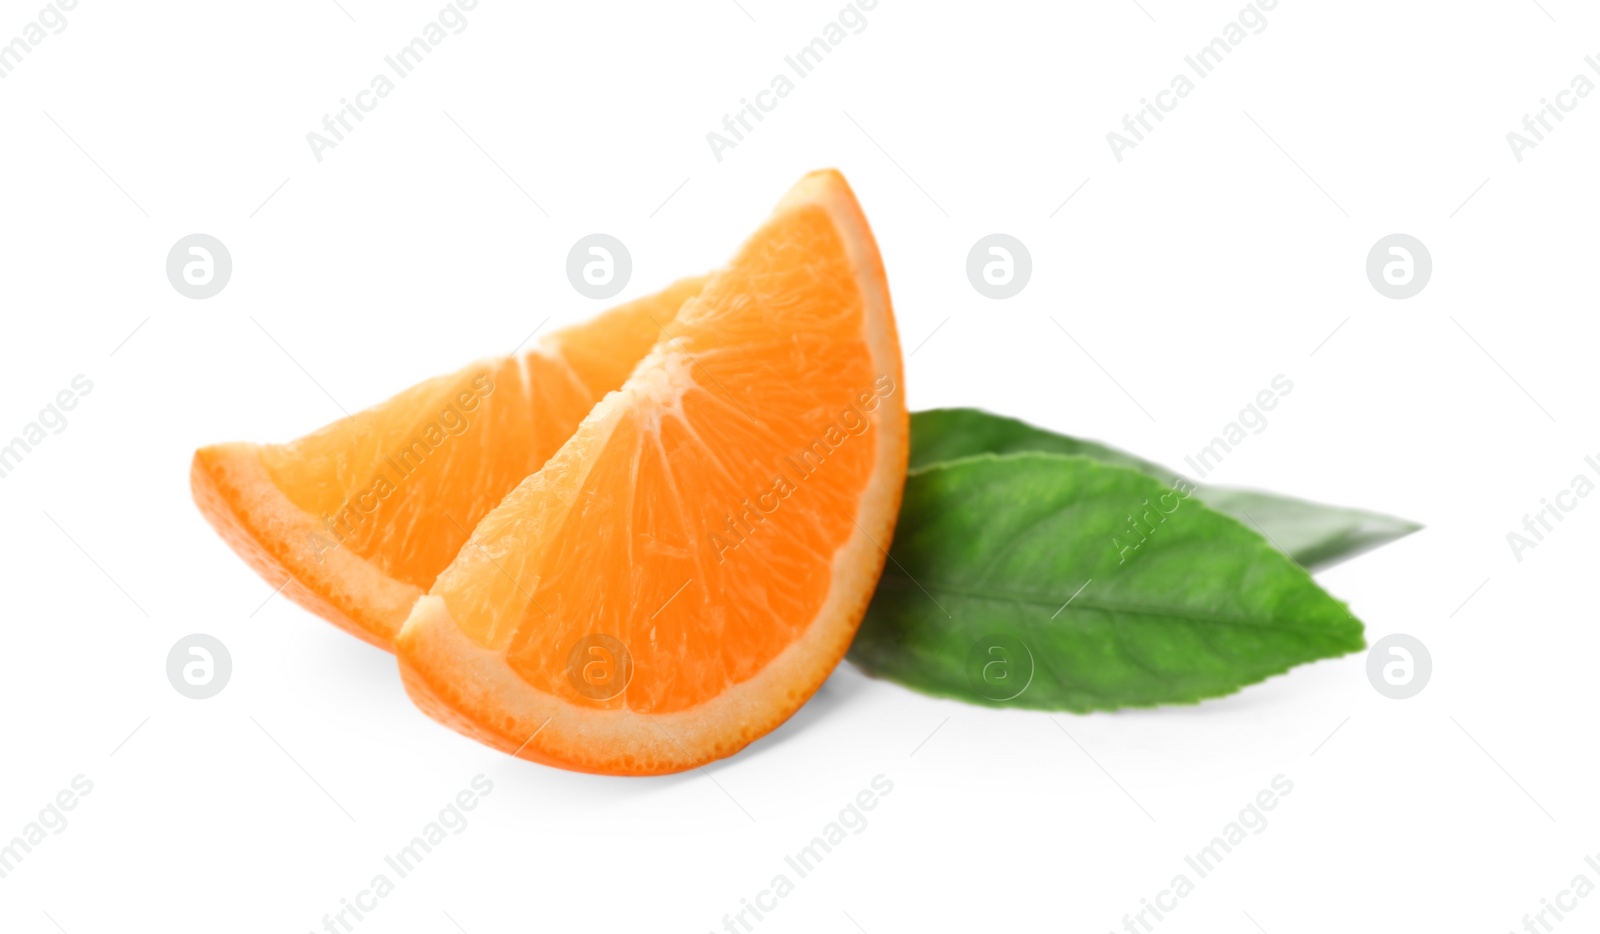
1225 249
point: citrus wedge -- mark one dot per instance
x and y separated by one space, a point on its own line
686 571
355 521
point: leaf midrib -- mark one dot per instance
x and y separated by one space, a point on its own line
1108 608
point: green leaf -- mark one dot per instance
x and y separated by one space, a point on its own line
1027 580
1315 535
939 435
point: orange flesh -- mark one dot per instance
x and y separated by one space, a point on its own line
699 516
401 485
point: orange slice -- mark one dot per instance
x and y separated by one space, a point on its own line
355 521
686 571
